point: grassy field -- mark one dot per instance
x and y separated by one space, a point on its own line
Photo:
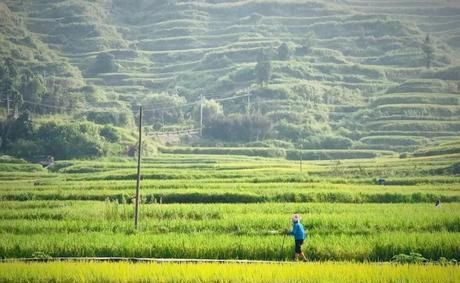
168 272
232 207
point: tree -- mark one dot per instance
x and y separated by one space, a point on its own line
428 49
33 89
70 140
9 84
164 108
263 68
13 130
239 127
211 109
284 52
104 64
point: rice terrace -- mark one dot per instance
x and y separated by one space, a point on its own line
229 141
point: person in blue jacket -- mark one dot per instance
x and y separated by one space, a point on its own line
299 234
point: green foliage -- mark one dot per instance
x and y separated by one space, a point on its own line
114 117
23 138
333 58
110 134
155 105
284 52
104 63
71 140
410 258
238 127
212 110
428 49
263 69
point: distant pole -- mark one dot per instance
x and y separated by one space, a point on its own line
7 105
249 103
201 114
301 153
138 183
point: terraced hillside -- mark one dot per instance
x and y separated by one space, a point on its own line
351 68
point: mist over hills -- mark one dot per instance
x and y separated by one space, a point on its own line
333 74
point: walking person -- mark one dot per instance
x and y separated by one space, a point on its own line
299 234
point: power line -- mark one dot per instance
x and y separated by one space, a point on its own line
88 107
48 105
172 107
233 97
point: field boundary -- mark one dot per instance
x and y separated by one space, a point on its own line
143 260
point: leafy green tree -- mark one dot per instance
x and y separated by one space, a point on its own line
14 129
428 49
110 133
9 84
211 110
284 52
239 127
104 64
263 68
72 140
33 89
163 108
22 127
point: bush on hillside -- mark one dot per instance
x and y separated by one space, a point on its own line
110 134
104 63
163 108
62 141
25 149
116 118
71 140
238 127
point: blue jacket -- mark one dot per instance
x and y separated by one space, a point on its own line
298 231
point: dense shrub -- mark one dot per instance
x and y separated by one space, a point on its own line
104 63
109 117
71 140
110 134
238 127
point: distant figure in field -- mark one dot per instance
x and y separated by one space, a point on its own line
299 236
438 203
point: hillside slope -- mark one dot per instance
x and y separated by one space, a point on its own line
341 60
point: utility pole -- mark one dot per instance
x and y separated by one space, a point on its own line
7 105
138 183
249 102
201 114
301 153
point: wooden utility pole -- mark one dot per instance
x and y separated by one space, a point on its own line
249 103
301 153
201 114
7 105
138 183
